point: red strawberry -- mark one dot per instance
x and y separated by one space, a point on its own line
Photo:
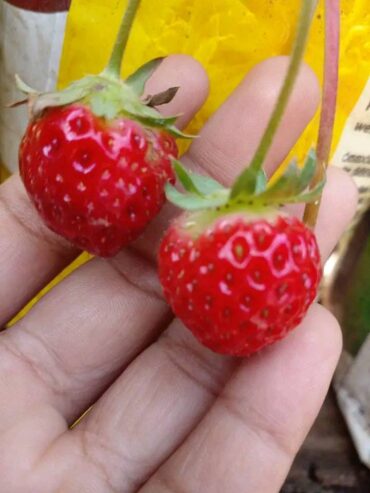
238 282
235 269
95 182
96 156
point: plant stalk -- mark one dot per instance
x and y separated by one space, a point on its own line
114 66
330 92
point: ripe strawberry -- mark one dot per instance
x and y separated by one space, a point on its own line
238 282
95 157
95 182
235 269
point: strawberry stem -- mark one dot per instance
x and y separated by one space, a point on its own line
114 66
330 92
306 15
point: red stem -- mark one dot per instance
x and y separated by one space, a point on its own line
330 92
330 81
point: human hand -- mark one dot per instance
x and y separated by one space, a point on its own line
169 416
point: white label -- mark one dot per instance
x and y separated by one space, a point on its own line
353 152
30 45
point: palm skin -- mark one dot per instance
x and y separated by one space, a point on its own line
169 416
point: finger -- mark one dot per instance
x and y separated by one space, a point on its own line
333 216
248 440
229 140
98 312
30 254
184 72
154 405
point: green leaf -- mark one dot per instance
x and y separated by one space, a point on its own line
246 184
138 79
193 202
197 184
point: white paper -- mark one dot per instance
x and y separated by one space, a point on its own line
353 152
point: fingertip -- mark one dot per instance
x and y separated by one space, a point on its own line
185 72
231 137
322 334
268 76
339 179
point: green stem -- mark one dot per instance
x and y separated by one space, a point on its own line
329 106
304 25
114 66
306 15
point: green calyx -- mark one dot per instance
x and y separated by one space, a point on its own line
108 96
201 192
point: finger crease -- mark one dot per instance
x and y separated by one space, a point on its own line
43 374
139 282
92 447
166 484
190 364
254 422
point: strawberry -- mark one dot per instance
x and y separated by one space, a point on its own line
96 156
235 268
239 282
95 182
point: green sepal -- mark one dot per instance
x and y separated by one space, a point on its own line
23 87
201 192
286 185
194 202
309 169
185 178
194 183
75 92
247 183
108 98
175 132
138 79
307 197
261 182
292 186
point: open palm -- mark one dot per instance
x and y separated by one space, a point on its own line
169 416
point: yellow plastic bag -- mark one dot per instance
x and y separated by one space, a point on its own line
227 36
